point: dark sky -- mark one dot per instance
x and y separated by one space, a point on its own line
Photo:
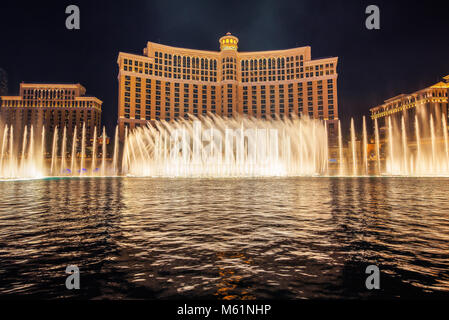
410 51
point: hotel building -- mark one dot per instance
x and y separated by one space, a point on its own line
50 106
430 101
168 83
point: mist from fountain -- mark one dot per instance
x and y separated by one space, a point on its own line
221 147
22 158
19 161
212 146
426 154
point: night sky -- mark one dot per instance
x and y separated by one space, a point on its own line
410 51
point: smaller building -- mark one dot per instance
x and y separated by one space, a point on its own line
422 104
51 106
433 97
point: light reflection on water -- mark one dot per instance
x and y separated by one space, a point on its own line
224 238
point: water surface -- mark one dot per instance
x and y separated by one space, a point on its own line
281 238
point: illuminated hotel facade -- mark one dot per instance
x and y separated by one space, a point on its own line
168 83
424 103
51 106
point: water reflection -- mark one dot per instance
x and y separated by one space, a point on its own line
224 238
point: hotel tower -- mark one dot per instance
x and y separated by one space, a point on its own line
50 106
168 83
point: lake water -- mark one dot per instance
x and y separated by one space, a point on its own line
281 238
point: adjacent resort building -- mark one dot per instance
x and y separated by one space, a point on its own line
51 106
169 83
419 106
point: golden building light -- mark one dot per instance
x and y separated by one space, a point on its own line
168 83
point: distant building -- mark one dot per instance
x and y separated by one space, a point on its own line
168 83
51 106
424 103
3 82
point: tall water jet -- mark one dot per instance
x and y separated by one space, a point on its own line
11 152
354 155
73 156
54 151
432 136
31 157
376 137
43 151
126 158
418 167
94 152
341 167
313 133
63 150
22 156
326 151
404 146
365 146
115 157
446 141
4 144
390 144
83 149
103 155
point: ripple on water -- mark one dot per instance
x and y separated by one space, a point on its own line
224 238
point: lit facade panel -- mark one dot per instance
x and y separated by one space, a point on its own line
168 83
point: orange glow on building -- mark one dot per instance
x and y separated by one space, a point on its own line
168 83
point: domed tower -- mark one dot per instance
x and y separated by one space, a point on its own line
229 42
229 63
